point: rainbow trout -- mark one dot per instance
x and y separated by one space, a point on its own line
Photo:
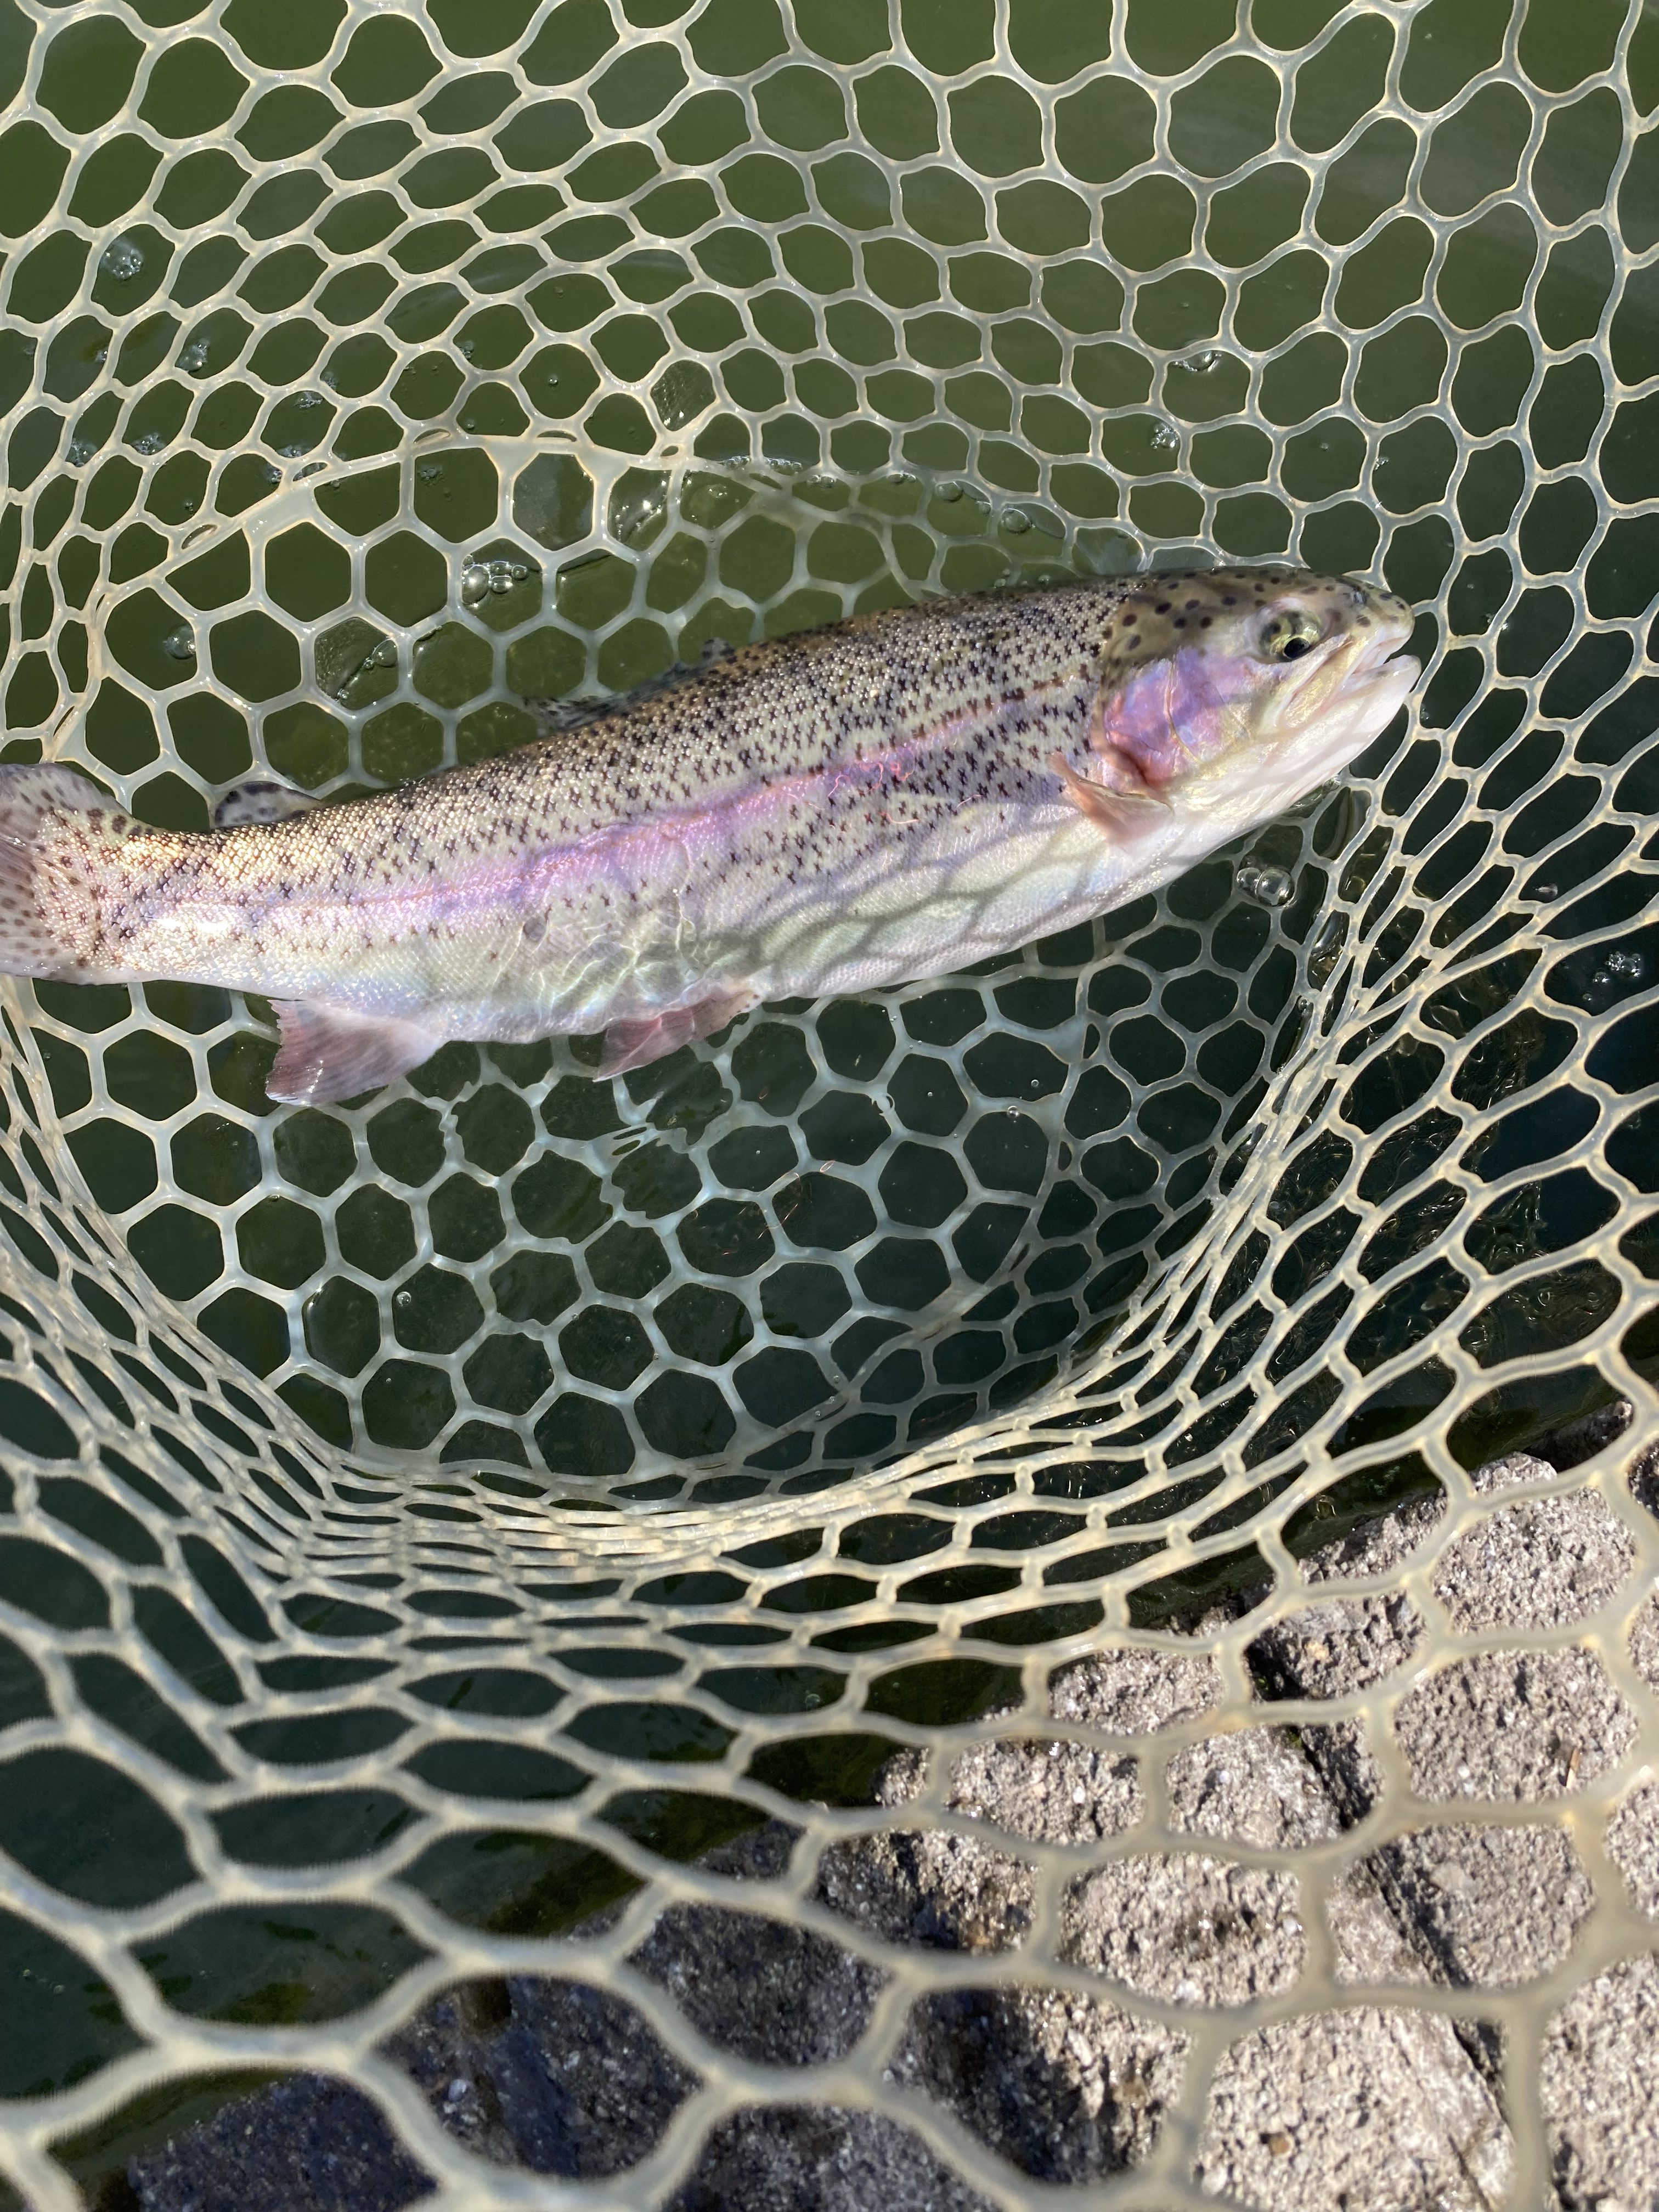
900 795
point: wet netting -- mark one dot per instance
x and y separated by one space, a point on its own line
458 1538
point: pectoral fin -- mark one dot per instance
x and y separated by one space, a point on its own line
636 1044
329 1054
1114 811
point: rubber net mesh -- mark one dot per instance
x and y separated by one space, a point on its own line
435 1525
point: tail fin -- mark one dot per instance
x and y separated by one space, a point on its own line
37 923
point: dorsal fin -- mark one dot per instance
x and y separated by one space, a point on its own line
559 715
260 798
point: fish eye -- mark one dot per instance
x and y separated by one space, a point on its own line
1288 636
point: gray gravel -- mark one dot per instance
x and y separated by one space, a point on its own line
1378 1547
1336 1647
545 2074
928 1886
1047 1789
1598 2080
1644 1641
1540 1563
1128 1691
1633 1846
1187 1928
770 1991
1065 2088
308 2142
1370 2109
1252 1786
1513 1468
1513 1724
820 2158
1485 1908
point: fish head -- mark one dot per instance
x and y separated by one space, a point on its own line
1276 675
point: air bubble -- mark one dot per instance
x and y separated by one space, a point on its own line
480 579
193 358
383 655
1203 364
951 491
180 643
121 259
1267 886
637 509
1016 520
150 441
82 450
1164 440
1617 976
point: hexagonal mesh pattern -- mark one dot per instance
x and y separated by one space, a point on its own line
401 1495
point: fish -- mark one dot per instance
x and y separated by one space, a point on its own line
890 798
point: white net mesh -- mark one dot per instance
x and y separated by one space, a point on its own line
452 1535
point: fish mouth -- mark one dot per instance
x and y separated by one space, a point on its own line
1384 666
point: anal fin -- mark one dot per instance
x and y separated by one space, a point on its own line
636 1044
328 1054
